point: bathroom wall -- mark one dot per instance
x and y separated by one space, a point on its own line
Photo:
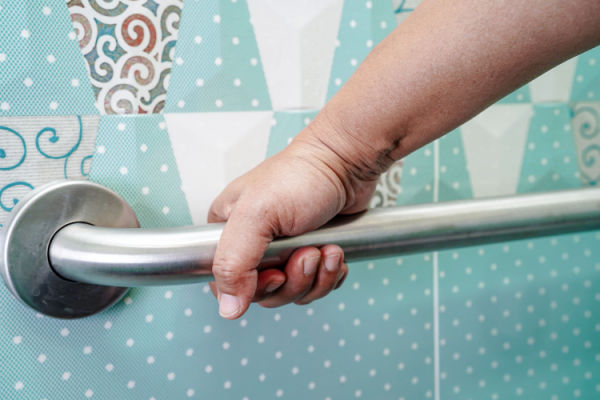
165 102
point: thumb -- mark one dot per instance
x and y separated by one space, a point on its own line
241 247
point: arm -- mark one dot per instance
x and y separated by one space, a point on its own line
444 64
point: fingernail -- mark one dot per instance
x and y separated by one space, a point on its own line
310 264
229 305
332 262
273 286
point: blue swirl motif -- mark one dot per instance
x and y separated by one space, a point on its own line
54 138
85 165
3 151
586 125
15 200
587 122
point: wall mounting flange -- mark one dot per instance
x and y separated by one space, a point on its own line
26 237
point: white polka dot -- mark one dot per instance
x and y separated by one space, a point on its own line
199 82
188 312
75 82
27 82
169 335
87 350
217 19
190 393
109 367
219 103
150 360
4 106
171 376
237 82
235 40
42 358
198 39
218 61
2 57
65 376
25 34
130 342
254 103
123 170
164 168
17 339
227 385
253 61
352 24
53 105
179 61
89 393
72 35
108 325
46 10
208 369
181 103
189 352
51 59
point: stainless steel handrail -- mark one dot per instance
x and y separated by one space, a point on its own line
73 248
141 257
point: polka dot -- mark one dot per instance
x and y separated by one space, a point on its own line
253 61
145 190
46 10
179 61
53 105
89 393
65 376
181 103
25 34
42 358
50 58
199 82
123 170
198 39
28 82
237 82
164 168
219 103
217 19
235 40
218 61
4 106
2 57
87 350
75 82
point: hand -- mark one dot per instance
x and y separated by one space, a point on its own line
291 193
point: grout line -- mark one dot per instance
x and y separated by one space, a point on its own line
436 300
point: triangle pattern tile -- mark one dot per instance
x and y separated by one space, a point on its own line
416 184
217 63
555 85
550 161
364 24
296 43
494 143
128 48
212 149
40 76
134 158
586 83
454 177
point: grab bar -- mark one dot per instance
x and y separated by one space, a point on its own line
70 249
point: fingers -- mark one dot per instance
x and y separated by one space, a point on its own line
300 272
311 274
332 271
241 246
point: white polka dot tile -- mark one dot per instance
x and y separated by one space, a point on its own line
36 73
219 66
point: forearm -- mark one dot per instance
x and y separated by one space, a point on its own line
444 64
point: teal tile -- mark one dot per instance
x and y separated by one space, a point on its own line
586 86
217 64
134 158
286 125
417 182
550 160
517 319
40 76
454 182
363 26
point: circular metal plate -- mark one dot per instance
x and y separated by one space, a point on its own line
26 237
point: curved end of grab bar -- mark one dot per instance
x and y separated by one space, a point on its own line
25 240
